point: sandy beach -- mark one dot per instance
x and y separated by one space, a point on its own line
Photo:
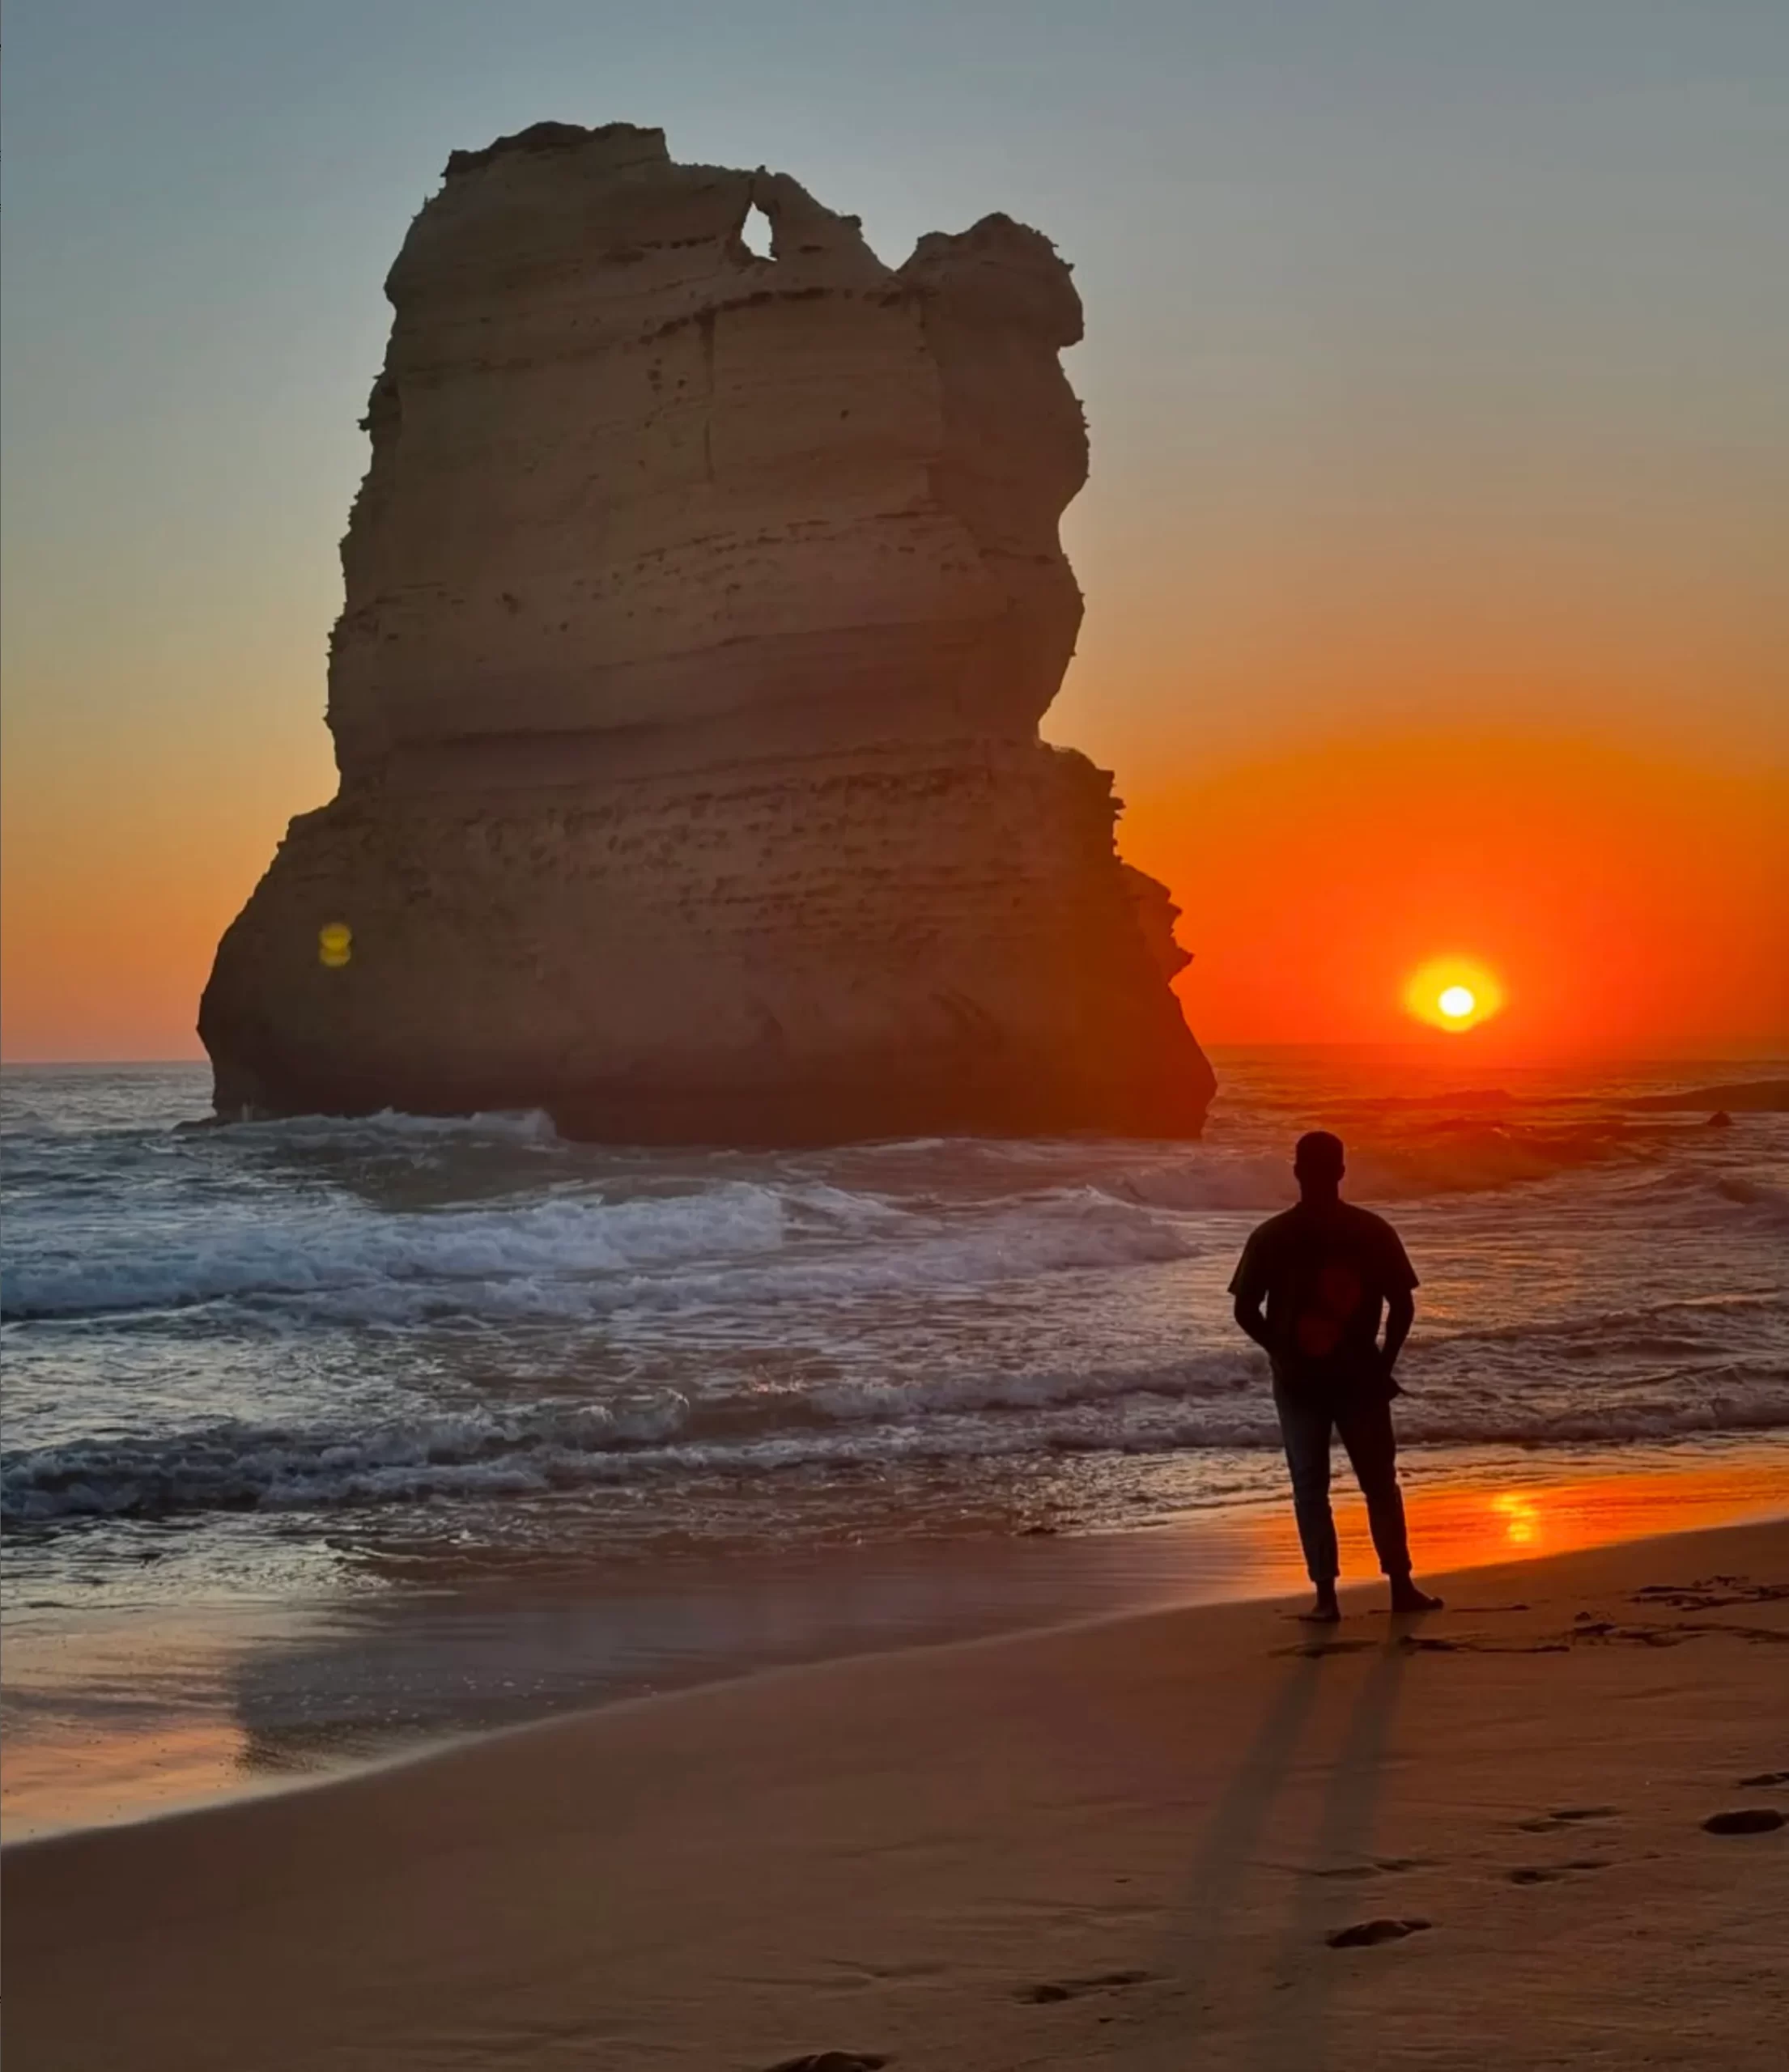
1130 1842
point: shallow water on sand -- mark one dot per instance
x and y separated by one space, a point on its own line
259 1373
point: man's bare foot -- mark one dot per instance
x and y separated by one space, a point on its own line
1326 1612
1406 1597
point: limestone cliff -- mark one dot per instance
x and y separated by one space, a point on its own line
701 608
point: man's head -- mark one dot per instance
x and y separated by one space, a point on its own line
1318 1164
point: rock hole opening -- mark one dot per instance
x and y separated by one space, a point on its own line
756 234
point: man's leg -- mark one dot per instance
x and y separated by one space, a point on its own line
1305 1427
1366 1432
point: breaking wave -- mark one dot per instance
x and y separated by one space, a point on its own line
532 1126
1210 1401
573 1257
1455 1157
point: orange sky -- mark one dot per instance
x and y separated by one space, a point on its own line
1627 906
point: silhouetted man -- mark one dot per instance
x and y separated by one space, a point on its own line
1325 1271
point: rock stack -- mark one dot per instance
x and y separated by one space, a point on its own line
701 608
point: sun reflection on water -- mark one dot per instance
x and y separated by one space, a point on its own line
1467 1523
1521 1516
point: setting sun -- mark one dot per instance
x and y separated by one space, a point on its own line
1453 992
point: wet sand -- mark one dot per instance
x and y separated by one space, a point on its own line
1204 1836
118 1712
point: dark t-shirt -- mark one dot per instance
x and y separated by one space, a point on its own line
1325 1270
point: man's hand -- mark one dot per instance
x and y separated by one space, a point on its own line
1249 1316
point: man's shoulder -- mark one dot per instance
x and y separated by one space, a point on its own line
1373 1236
1263 1261
1275 1227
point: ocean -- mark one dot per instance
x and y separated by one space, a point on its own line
322 1434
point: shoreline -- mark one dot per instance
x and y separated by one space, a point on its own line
922 1851
292 1709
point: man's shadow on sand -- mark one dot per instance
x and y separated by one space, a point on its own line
1291 2032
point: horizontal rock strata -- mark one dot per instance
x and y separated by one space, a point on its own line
701 608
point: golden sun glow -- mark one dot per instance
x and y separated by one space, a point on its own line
1453 992
1521 1517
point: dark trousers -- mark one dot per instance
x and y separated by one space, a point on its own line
1364 1422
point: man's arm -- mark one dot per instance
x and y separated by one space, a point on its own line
1400 1313
1248 1285
1400 1284
1248 1315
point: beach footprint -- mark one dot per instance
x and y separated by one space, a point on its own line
1364 1935
1557 1817
1378 1866
1710 1592
831 2061
1051 1990
1764 1780
1551 1873
1745 1820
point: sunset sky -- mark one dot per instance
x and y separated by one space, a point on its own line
1436 545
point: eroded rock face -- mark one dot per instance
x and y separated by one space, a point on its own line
700 611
